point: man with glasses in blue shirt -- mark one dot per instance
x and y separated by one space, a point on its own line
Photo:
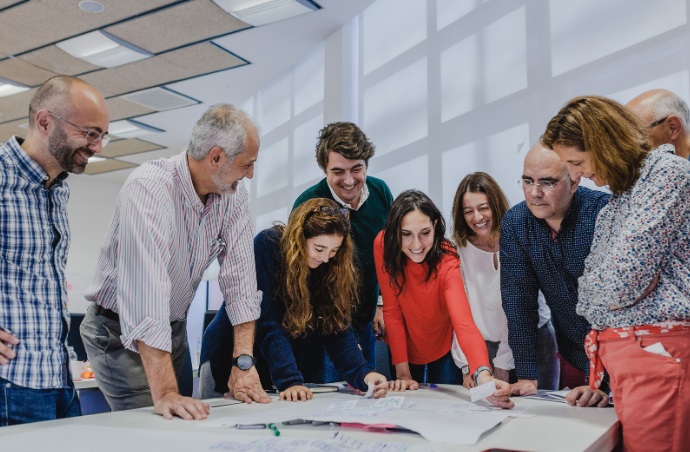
544 243
68 123
667 118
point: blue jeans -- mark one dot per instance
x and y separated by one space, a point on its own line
441 371
20 405
366 340
549 365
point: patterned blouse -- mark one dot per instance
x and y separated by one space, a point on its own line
642 232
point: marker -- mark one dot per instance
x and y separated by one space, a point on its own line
273 427
250 426
429 385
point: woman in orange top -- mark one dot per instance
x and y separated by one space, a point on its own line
424 299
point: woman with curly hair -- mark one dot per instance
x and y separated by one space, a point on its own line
424 300
306 272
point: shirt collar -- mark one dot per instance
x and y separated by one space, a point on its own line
363 197
30 168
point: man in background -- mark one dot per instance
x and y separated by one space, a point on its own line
666 117
544 242
173 217
343 152
68 123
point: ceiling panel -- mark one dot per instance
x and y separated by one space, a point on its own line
13 128
121 148
166 68
15 106
121 109
177 26
52 58
107 165
54 20
23 72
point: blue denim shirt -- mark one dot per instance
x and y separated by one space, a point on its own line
533 260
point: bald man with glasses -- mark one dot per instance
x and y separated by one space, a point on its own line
666 117
544 242
68 123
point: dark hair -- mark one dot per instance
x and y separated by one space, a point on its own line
608 131
498 202
346 139
326 303
394 260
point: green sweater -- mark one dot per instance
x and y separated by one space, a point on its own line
366 224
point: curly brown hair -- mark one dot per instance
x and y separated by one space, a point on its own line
324 298
346 139
606 129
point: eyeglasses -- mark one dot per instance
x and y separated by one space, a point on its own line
545 185
657 122
92 136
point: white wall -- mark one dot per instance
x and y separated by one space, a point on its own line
443 88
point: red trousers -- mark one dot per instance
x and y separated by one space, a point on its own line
651 393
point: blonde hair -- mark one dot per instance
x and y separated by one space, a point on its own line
322 299
606 129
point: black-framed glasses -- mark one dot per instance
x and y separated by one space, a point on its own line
527 183
657 122
92 136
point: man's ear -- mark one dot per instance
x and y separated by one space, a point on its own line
215 156
674 126
41 120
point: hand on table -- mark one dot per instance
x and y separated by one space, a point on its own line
500 398
403 384
467 381
379 381
244 385
524 387
296 393
6 351
173 404
585 396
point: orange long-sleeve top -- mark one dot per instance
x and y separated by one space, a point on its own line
420 320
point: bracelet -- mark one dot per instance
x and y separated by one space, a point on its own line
480 369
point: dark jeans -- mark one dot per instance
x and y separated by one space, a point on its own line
441 371
549 366
20 405
366 340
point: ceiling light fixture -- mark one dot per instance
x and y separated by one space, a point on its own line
7 88
95 159
129 128
102 49
91 6
262 12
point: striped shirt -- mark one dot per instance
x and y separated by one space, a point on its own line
161 240
34 240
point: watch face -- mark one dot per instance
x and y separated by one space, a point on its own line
245 361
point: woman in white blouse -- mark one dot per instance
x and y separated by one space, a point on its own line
478 209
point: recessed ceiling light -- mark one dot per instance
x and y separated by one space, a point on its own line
261 12
7 88
160 99
91 6
94 159
129 128
102 49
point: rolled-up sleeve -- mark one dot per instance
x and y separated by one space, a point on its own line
143 290
237 276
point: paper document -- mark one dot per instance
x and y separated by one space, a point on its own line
481 392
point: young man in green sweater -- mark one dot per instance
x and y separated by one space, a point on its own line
343 152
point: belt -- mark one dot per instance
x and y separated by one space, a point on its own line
596 367
107 313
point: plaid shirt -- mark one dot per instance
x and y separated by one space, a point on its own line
34 240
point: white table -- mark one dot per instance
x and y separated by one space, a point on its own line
547 426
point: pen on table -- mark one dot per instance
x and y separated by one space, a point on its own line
428 385
273 427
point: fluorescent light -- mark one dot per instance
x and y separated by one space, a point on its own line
128 128
7 88
94 159
262 12
102 49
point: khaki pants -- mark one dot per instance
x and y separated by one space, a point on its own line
119 372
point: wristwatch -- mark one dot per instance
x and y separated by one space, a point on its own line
465 369
244 361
